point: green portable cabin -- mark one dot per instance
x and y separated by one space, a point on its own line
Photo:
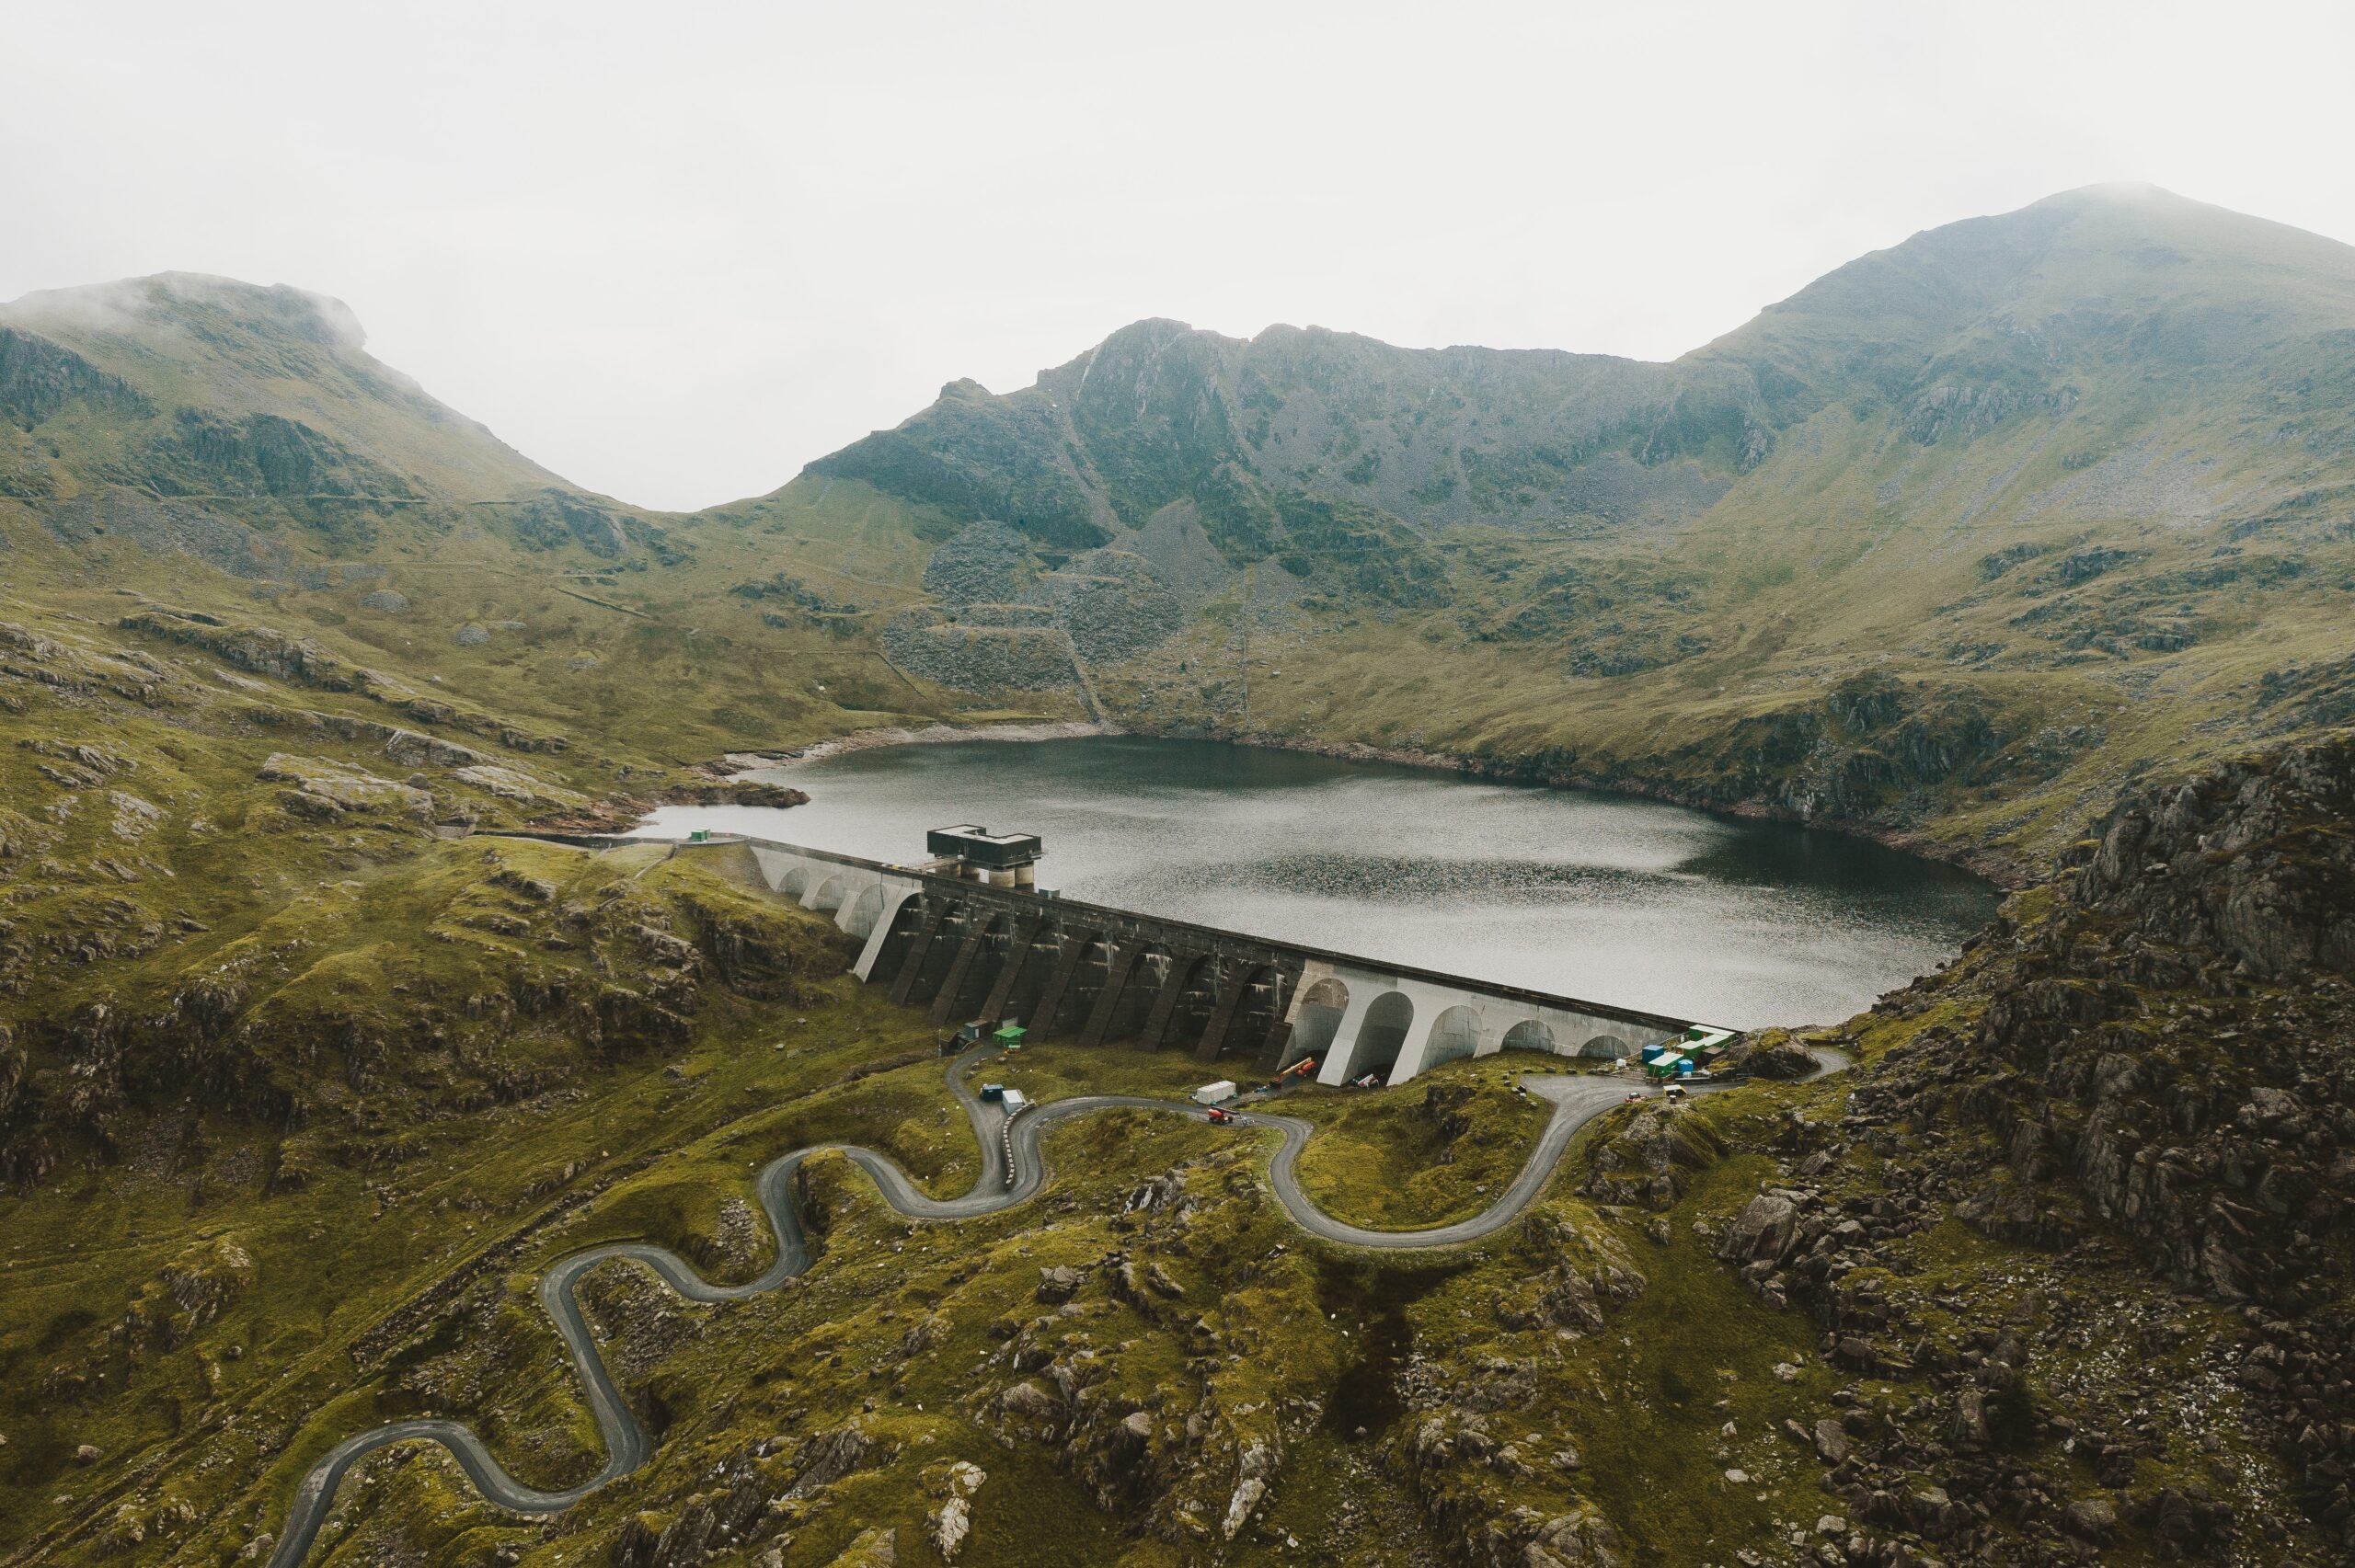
1664 1065
1009 1037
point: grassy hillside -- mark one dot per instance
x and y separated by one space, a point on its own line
1988 541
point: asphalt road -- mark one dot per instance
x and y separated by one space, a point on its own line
1576 1100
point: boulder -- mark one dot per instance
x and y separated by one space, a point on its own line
1762 1232
1831 1442
2090 1520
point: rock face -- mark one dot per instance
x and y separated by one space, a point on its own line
1005 618
2157 1049
2208 1129
325 791
2252 861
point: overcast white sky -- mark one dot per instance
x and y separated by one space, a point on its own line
675 251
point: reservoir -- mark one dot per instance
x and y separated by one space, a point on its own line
1610 897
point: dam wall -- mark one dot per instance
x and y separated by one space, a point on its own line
964 949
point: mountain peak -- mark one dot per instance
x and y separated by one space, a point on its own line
132 305
2117 192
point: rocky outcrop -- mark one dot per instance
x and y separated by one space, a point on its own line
519 786
39 378
736 792
2151 1051
301 661
325 791
2254 861
952 1521
1648 1154
2207 1124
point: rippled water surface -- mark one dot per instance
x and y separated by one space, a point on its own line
1597 896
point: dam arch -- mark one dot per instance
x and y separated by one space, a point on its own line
1318 1014
1531 1035
863 911
1457 1031
1382 1034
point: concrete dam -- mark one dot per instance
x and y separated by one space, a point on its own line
967 941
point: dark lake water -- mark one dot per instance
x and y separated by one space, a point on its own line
1604 897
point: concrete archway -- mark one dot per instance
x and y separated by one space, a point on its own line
795 882
1455 1033
861 913
1382 1035
1316 1019
829 894
1609 1046
907 918
1530 1034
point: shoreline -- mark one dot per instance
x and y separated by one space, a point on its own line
2005 872
738 764
2002 871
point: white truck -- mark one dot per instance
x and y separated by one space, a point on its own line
1217 1094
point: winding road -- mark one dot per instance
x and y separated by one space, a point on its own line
1576 1100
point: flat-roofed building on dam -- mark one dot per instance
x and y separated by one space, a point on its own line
976 854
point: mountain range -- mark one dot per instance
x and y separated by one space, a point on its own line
2028 541
1945 546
